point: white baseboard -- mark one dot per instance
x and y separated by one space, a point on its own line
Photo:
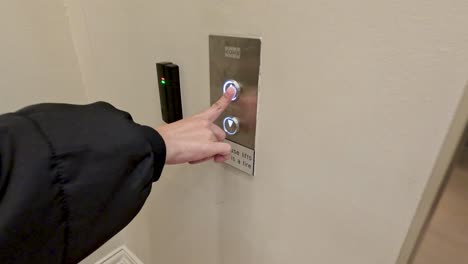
121 255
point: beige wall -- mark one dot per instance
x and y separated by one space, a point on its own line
355 100
38 63
37 59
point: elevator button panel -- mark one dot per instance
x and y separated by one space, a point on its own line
235 62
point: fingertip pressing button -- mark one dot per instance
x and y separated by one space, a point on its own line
234 84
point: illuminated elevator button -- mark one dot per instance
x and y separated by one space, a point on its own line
233 84
231 125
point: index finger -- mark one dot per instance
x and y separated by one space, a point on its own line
212 113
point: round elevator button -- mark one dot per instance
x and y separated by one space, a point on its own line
231 125
233 84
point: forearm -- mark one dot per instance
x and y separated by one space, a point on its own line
71 178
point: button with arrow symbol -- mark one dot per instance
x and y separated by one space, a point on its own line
231 125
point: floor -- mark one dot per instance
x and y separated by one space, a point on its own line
446 239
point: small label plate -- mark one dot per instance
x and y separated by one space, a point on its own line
242 158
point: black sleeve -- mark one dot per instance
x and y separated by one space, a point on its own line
71 177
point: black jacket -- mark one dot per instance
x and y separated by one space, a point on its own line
71 177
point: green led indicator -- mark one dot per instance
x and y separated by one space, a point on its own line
163 81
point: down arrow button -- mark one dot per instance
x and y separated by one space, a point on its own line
231 125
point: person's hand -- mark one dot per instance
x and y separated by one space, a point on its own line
197 139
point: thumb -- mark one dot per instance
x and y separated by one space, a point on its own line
217 148
213 150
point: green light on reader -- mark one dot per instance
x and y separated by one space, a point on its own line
163 81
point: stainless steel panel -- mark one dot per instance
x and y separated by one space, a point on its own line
233 58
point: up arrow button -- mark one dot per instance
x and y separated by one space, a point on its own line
232 84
